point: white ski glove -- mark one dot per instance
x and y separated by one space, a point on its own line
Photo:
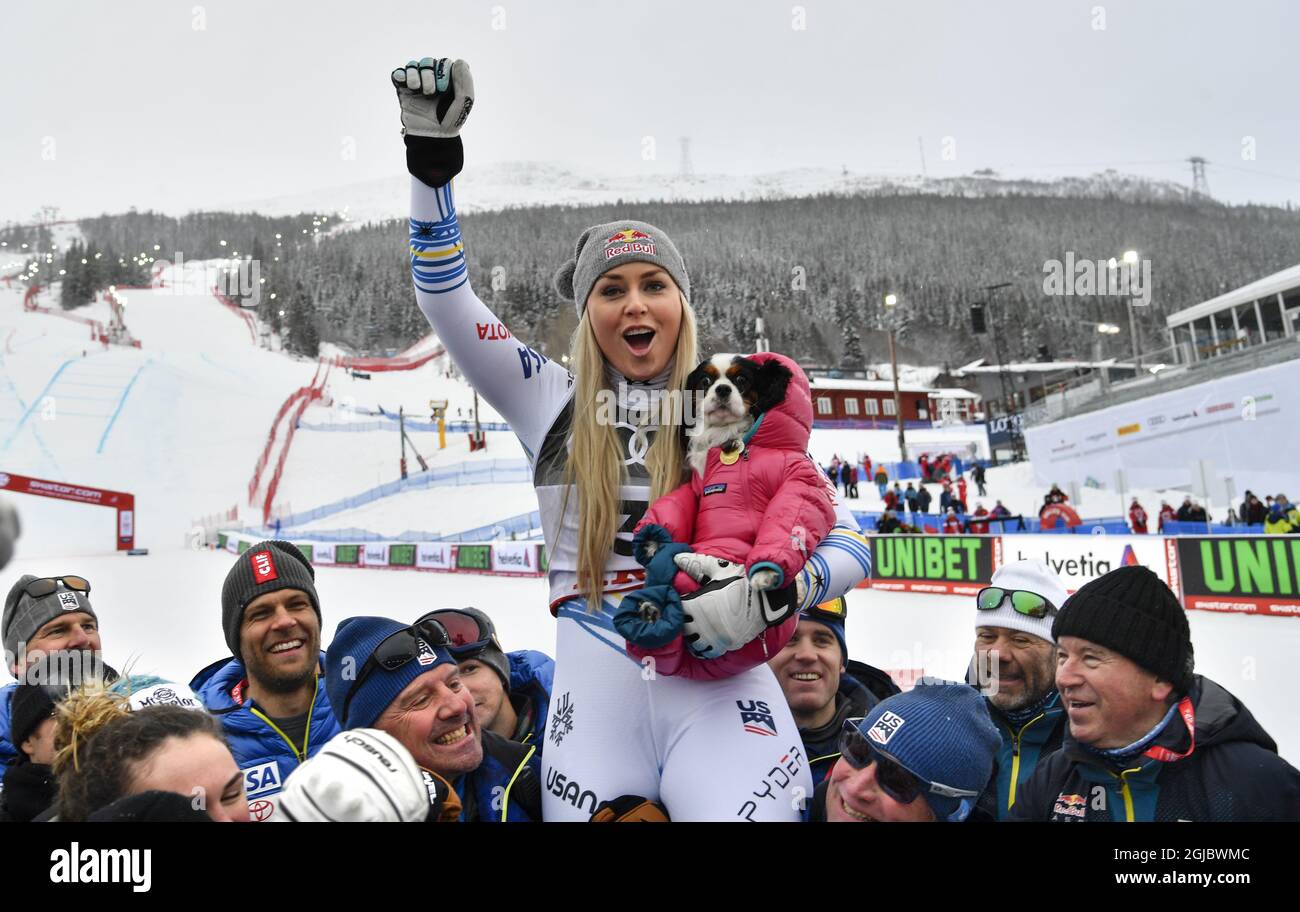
436 96
726 612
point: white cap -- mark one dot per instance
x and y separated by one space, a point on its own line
360 776
1032 576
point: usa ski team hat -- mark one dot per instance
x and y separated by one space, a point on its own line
267 566
604 247
24 615
355 640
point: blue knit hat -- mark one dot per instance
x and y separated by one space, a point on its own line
940 731
832 614
354 641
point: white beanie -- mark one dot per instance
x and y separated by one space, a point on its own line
362 775
1032 576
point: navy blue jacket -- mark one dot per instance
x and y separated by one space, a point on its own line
861 687
261 750
531 675
8 751
506 787
1023 748
1233 773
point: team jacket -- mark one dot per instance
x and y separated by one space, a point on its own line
536 397
531 677
263 753
861 687
1023 748
1231 772
8 751
506 787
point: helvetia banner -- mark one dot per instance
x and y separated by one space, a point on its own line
1257 574
953 564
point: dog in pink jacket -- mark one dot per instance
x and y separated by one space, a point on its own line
755 499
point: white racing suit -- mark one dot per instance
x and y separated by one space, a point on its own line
707 750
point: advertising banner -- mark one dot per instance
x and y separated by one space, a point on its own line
514 557
322 554
347 554
1078 559
474 557
952 564
1254 574
434 556
401 555
375 555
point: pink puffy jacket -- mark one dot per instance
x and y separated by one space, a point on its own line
773 506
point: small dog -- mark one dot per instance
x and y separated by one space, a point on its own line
730 393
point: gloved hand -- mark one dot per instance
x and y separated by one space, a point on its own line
436 96
360 775
726 613
630 809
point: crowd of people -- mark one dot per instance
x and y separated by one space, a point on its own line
1083 707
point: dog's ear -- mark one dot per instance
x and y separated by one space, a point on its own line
771 382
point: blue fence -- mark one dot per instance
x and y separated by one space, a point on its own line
1111 525
1174 527
474 472
512 526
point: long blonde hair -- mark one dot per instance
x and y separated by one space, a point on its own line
597 450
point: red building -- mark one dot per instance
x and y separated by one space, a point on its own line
871 402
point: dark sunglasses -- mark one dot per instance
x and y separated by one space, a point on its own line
467 634
39 588
895 780
1030 604
397 649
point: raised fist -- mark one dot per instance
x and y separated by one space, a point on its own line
436 96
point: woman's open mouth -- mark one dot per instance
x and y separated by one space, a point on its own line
639 340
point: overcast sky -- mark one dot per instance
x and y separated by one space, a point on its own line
177 105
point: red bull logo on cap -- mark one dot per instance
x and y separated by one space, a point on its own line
629 240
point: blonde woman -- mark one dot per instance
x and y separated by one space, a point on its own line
705 750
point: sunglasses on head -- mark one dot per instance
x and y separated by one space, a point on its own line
1030 604
396 650
894 779
467 635
39 588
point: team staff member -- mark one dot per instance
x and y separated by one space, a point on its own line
1148 738
401 680
1015 665
511 690
269 697
822 686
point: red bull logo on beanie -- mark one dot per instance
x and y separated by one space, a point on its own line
886 727
263 567
629 240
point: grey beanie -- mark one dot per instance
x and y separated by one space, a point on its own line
267 566
25 615
603 247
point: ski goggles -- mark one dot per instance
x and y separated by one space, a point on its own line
1030 604
894 779
39 588
397 649
469 633
834 611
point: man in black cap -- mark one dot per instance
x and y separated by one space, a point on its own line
29 784
1148 739
269 698
43 616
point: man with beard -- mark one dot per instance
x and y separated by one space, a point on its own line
269 697
1014 667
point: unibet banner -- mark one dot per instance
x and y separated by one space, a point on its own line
1257 574
954 564
474 557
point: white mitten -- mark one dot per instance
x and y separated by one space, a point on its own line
435 95
703 568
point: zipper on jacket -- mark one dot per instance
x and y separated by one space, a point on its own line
300 756
505 798
1126 793
1015 758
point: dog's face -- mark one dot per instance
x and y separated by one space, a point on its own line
729 389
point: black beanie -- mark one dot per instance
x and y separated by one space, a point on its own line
1133 612
267 566
31 705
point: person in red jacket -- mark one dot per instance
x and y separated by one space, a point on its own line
763 507
952 524
1166 515
961 488
891 500
1137 517
976 527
